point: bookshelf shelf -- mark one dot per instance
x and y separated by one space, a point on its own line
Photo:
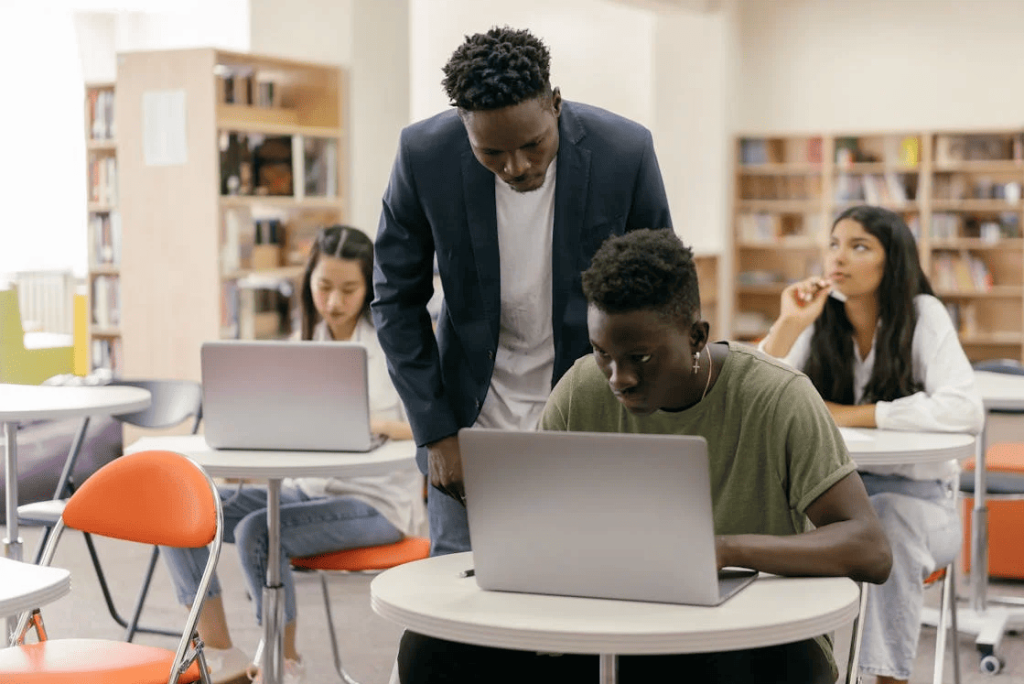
961 193
779 169
213 247
280 201
103 227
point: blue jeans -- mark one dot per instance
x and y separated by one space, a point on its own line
924 530
308 527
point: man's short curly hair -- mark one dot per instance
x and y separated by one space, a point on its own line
500 68
644 270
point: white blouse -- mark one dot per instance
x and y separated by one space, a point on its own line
399 494
949 402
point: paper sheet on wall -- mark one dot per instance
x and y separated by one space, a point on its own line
163 128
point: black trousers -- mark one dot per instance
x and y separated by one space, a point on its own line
426 660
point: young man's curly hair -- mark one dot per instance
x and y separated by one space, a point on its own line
497 69
644 270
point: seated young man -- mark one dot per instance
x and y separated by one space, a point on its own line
786 496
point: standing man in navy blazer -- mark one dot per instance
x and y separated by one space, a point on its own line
512 193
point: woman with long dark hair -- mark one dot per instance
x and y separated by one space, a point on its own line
882 352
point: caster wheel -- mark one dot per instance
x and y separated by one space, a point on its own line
991 665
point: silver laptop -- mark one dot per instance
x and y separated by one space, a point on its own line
290 396
601 515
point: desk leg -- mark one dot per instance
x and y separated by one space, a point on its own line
609 668
979 528
12 542
272 663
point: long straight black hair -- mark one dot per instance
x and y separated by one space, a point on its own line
830 366
340 242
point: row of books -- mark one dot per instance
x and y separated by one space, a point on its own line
762 227
244 86
105 232
103 180
100 110
875 188
956 148
254 313
957 186
106 353
754 151
950 226
782 187
962 272
106 301
890 149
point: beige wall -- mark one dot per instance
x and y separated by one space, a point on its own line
880 64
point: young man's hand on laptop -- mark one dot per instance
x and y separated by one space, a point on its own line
444 466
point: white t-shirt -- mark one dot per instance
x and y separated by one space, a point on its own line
525 358
949 402
399 494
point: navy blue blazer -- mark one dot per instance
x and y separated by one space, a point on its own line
440 201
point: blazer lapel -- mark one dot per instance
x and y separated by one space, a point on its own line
572 186
482 221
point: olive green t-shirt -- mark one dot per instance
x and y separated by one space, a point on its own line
773 447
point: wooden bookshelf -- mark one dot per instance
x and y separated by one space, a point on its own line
707 277
220 199
960 192
104 228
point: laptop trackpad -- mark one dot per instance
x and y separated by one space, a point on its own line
731 580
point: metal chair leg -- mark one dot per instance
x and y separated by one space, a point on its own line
941 629
109 600
133 624
951 574
334 637
853 665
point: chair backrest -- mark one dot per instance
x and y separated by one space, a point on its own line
1008 366
151 497
172 401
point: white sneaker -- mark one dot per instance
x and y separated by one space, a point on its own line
226 664
294 673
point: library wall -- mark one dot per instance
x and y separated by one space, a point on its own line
601 52
879 65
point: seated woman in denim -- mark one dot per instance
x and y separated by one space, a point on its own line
318 515
882 351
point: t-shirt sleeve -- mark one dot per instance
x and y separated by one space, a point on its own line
815 453
556 411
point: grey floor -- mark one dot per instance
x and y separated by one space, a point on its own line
369 642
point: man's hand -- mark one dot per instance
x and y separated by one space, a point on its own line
444 466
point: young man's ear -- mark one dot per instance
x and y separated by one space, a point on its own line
556 101
699 332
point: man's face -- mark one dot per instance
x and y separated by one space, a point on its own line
647 360
516 143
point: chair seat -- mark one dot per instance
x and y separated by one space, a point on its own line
89 661
42 512
368 557
1007 457
996 484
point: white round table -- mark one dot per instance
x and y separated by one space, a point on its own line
870 447
432 598
273 466
39 402
25 586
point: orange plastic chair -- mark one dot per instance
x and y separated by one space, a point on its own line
368 559
151 497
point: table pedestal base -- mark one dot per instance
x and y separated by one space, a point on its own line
987 625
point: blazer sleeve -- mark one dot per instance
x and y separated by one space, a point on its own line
403 273
649 208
